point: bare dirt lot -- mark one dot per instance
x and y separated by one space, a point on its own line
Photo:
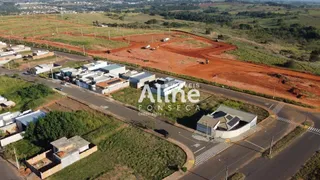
186 54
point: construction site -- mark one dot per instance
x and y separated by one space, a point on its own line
192 55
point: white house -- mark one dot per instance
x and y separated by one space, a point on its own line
226 122
167 85
42 68
19 48
3 44
8 118
95 65
7 53
110 85
140 79
114 70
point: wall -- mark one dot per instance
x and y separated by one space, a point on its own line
51 171
11 139
43 56
142 82
88 152
115 87
11 128
70 159
235 133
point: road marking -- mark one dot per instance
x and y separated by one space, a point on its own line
199 150
196 145
278 108
271 106
254 144
187 138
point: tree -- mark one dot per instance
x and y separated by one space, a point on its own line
209 30
55 125
314 56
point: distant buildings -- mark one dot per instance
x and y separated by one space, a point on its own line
64 152
114 69
5 103
138 80
12 125
226 122
166 86
95 65
39 54
43 68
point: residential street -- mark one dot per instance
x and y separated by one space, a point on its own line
7 172
234 157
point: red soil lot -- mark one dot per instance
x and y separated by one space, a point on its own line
186 60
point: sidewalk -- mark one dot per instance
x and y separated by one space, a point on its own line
189 163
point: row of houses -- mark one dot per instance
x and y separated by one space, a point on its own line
13 124
105 78
9 52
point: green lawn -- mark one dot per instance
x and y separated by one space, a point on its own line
12 89
88 42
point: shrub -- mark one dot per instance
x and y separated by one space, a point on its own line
237 176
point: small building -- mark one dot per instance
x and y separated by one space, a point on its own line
19 48
226 122
43 68
7 53
39 54
140 79
95 65
8 118
64 153
111 85
3 45
5 103
24 120
166 85
114 70
128 74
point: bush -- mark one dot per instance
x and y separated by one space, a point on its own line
184 169
237 176
310 169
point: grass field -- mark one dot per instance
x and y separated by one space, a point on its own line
88 42
10 88
185 113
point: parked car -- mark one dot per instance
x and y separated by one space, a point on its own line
59 88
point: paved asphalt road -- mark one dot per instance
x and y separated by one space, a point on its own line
7 172
281 167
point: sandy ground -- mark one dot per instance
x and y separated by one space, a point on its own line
222 68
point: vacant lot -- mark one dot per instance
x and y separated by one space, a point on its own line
26 95
185 113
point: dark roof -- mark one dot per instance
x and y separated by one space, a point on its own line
233 121
219 114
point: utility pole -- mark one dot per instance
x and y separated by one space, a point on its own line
227 173
15 154
271 144
84 50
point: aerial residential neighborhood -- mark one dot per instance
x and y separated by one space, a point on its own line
150 89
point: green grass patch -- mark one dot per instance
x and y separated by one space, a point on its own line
284 142
310 170
88 42
237 176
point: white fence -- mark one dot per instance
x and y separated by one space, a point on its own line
11 139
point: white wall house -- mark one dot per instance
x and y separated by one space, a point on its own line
226 122
42 68
140 79
111 85
20 48
167 85
114 70
95 65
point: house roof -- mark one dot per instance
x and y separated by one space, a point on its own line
208 121
111 67
30 117
244 116
69 146
108 83
141 76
